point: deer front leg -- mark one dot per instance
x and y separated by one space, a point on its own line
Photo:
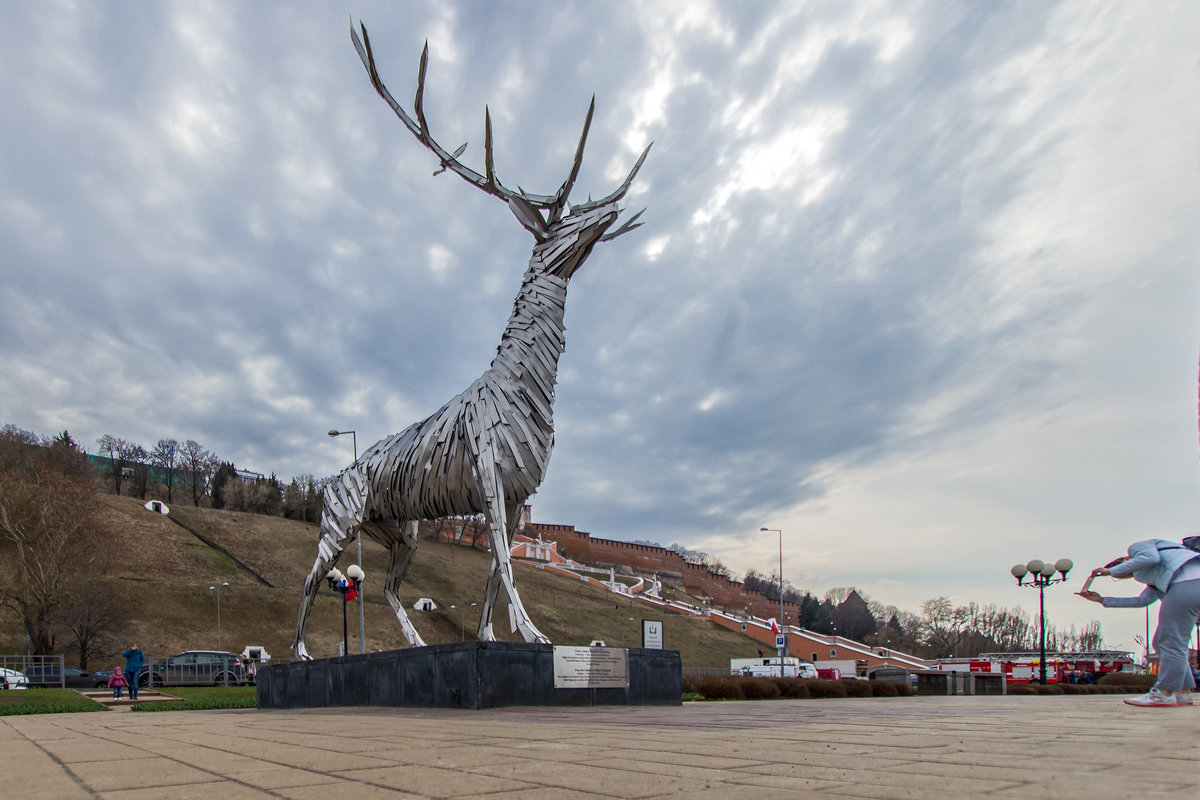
486 634
491 489
341 514
513 519
403 546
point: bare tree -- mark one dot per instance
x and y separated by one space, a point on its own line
140 468
49 536
116 450
95 616
165 456
838 594
198 465
939 625
1090 638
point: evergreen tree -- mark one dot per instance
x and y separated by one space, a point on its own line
221 478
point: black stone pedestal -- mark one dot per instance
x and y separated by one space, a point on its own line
461 675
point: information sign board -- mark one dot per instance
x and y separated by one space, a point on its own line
652 634
591 667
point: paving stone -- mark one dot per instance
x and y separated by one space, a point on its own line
1027 747
435 782
140 773
216 790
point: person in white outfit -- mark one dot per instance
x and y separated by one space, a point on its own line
1171 572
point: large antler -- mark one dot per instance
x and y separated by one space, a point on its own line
534 211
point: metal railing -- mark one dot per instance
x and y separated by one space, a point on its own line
40 670
49 670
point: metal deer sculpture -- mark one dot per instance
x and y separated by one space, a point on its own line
486 450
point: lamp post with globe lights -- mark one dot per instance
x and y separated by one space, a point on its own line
1041 575
349 587
362 623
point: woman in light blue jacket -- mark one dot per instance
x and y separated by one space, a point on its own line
1171 573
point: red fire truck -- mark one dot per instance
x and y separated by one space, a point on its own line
1083 667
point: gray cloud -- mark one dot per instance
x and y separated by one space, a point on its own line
873 236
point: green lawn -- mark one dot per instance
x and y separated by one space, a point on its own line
201 698
57 701
209 692
45 701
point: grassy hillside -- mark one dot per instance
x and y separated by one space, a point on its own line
166 573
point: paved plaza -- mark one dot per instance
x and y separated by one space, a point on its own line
918 747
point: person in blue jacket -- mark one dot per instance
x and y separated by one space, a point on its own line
134 659
1171 573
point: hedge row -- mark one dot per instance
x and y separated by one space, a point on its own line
1134 683
1113 683
739 687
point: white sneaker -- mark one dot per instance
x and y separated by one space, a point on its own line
1152 699
1183 699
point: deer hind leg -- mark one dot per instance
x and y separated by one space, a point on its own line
403 545
493 585
491 489
344 502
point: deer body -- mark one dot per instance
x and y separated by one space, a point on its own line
486 450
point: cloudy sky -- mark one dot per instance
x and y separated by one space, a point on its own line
917 285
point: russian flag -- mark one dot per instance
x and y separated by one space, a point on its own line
774 625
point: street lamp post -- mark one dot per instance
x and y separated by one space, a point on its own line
781 633
462 620
362 621
218 590
345 585
1040 576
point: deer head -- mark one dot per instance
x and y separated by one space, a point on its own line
565 234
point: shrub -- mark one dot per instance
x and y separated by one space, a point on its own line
856 688
759 689
720 687
885 688
822 687
793 688
1081 688
1127 681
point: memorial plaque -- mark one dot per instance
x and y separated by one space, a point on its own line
591 668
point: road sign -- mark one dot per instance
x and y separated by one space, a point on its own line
781 640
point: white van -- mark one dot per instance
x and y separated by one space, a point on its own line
770 668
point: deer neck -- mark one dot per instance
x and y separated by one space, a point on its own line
534 339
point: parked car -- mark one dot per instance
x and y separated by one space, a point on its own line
47 676
11 679
195 668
